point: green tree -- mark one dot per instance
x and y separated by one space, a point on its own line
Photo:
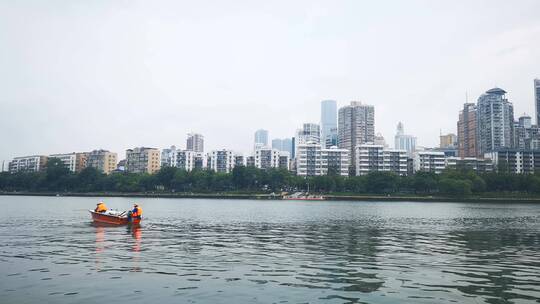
424 182
165 177
455 187
88 180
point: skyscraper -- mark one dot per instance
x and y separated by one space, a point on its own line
356 126
328 123
286 145
195 142
403 141
467 131
310 132
448 141
261 138
277 144
526 135
537 99
495 117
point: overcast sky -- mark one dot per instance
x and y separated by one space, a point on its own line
83 75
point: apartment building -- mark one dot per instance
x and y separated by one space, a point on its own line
376 158
75 162
429 161
33 163
142 160
515 161
313 160
479 165
103 160
221 160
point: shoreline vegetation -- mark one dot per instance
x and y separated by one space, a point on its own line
452 185
259 196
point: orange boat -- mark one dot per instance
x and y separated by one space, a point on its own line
114 218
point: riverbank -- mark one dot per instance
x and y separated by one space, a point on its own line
259 196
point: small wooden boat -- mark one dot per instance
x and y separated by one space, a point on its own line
113 218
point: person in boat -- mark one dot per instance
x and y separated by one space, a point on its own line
136 212
100 208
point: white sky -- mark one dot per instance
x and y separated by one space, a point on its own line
83 75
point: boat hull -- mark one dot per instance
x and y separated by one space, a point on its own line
112 219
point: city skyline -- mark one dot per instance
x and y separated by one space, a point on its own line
97 89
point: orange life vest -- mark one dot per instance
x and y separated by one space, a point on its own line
101 208
137 212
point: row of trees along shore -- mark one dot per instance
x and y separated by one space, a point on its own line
452 182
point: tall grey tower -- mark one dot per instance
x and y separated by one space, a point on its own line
537 99
403 141
328 123
495 121
261 138
195 142
356 126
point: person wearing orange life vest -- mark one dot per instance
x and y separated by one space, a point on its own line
136 212
100 207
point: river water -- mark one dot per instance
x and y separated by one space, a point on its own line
248 251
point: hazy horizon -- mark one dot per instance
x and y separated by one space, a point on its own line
79 76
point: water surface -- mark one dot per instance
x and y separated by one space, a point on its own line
247 251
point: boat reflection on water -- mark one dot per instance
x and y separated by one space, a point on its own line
136 232
118 244
100 244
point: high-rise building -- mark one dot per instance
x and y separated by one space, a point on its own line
103 160
182 159
495 117
310 132
332 139
329 123
195 142
239 160
429 161
277 144
142 160
537 100
467 131
403 141
448 141
526 135
284 160
480 165
222 161
515 161
261 138
266 158
250 161
379 140
75 162
314 160
34 163
284 144
168 157
376 158
335 161
525 121
356 126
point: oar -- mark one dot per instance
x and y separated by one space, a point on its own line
122 213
